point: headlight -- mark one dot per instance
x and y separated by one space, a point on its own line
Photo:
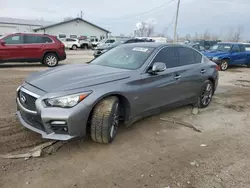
215 58
66 101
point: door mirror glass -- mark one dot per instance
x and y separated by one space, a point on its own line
158 67
2 42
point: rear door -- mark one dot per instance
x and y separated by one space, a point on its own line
35 46
237 56
13 49
161 89
190 72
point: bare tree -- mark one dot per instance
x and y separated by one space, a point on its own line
206 35
234 35
144 29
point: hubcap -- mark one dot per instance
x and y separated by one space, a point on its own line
115 122
224 65
207 94
51 60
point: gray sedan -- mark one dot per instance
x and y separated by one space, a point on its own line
127 83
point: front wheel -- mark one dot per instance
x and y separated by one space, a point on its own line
74 47
206 94
51 60
224 65
105 120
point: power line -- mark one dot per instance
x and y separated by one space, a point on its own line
142 13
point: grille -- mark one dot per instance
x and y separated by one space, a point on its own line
33 120
27 101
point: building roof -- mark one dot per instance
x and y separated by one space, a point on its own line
71 20
17 21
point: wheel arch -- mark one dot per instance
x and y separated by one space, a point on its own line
49 52
125 104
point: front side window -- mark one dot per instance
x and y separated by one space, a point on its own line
125 57
70 40
242 48
186 56
168 56
221 47
14 39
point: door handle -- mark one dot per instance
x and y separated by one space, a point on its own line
177 77
203 71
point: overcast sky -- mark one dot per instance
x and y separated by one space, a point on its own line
218 16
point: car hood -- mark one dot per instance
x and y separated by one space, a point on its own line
214 53
104 47
70 77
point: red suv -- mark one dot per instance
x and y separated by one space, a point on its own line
24 47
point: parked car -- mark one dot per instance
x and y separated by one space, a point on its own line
104 48
225 54
106 42
127 83
24 47
94 42
207 44
85 44
196 46
71 43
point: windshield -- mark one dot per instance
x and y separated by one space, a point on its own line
221 47
125 57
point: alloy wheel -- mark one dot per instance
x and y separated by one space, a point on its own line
115 121
51 60
224 65
206 95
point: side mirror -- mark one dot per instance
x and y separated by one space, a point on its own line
2 42
158 67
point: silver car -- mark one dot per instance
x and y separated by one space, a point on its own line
127 83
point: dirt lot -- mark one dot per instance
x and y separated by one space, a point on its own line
152 153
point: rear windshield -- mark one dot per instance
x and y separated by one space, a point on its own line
125 57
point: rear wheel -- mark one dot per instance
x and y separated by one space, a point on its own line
105 120
74 47
224 65
206 94
50 59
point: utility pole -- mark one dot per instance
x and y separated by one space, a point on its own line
176 22
81 14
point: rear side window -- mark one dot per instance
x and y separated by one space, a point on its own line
247 47
32 39
242 48
187 56
70 40
168 56
14 39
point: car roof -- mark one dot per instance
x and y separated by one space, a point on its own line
151 44
35 34
229 43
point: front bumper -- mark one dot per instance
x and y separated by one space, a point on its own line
42 121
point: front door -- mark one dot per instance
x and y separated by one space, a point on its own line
13 48
160 89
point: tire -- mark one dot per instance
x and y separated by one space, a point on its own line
50 59
206 94
224 65
84 46
74 47
105 120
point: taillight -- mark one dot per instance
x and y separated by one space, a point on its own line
217 67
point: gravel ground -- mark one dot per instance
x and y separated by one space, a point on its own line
152 153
